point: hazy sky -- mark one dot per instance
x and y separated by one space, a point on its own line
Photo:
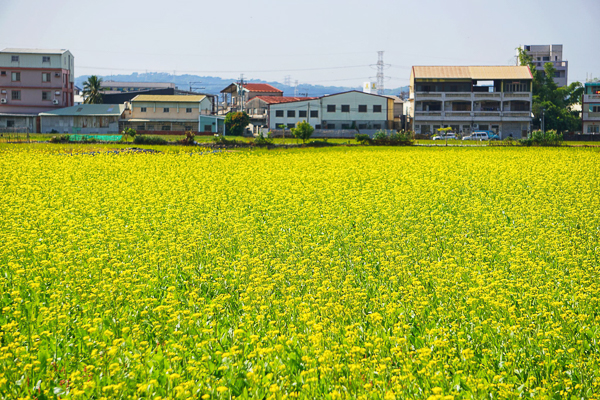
327 42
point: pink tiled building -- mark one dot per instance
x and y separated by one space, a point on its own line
33 81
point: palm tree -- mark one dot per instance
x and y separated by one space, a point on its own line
92 90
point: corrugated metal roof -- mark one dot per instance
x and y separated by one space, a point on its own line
472 72
88 110
168 98
261 87
34 51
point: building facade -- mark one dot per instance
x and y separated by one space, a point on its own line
34 81
348 110
83 118
235 96
166 114
552 53
471 98
590 109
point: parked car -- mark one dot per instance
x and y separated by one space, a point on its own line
479 135
449 136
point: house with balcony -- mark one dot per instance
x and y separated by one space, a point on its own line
590 108
34 81
469 98
236 95
551 53
161 114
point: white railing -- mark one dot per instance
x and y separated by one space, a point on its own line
591 97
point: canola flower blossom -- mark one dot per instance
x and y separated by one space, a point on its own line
332 273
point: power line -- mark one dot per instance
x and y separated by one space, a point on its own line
230 71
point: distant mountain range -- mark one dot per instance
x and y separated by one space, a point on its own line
214 85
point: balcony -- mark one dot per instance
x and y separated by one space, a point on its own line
517 95
474 115
493 95
591 116
589 98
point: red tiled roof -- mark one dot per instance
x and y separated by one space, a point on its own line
281 99
261 87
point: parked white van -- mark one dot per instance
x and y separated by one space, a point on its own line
477 136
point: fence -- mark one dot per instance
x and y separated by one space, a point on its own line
14 135
581 138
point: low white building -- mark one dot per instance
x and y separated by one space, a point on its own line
347 110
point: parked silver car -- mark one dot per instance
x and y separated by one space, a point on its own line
477 136
450 136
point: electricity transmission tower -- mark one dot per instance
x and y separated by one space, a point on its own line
380 76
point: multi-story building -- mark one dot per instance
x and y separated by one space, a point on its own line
347 110
236 95
590 108
552 53
471 98
34 81
166 114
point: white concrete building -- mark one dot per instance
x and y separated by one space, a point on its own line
591 109
553 53
495 98
347 110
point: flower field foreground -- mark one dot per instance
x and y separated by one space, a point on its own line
337 273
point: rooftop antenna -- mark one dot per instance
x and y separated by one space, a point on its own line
196 86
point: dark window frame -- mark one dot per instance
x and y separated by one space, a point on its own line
346 108
377 108
362 108
331 108
279 113
291 113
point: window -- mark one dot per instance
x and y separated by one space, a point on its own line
46 95
595 108
362 108
302 114
593 129
546 59
3 73
141 127
290 126
376 108
330 107
362 126
314 114
15 95
345 126
345 108
279 113
516 87
318 126
10 123
166 109
166 128
377 126
188 127
15 76
45 76
45 59
330 126
188 110
142 109
14 58
291 113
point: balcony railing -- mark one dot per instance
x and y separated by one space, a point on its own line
591 115
475 114
591 97
488 94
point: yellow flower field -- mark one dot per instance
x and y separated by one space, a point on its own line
419 273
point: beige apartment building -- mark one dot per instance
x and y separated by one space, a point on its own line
164 114
469 98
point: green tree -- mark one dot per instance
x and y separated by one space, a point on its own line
129 132
303 130
92 91
236 122
555 102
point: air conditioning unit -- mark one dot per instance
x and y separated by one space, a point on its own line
3 101
54 101
57 75
475 126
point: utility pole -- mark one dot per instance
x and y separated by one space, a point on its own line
241 92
